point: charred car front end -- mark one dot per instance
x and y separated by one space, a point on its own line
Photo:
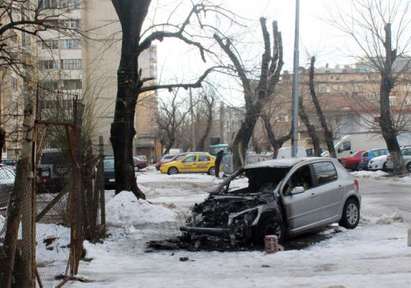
240 211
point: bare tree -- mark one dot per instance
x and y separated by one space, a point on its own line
379 29
271 65
275 141
328 134
311 129
205 114
171 118
131 84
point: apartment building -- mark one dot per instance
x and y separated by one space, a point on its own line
87 66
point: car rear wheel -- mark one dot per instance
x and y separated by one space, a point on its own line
211 171
351 214
384 167
172 171
409 167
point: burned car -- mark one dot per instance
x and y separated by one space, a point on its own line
285 197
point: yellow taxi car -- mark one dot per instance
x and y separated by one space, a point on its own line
195 162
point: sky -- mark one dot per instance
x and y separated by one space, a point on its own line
179 62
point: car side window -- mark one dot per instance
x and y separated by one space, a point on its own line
203 158
325 172
365 154
190 159
406 152
300 178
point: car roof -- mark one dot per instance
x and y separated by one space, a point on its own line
283 163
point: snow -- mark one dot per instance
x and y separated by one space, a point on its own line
125 209
369 174
374 255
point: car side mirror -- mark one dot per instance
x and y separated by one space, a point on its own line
297 190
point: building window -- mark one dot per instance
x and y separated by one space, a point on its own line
71 4
48 64
49 4
50 44
70 44
74 84
71 64
71 23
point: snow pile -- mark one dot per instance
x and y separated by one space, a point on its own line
390 219
369 174
124 209
52 242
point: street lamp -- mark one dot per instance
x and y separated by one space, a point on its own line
295 88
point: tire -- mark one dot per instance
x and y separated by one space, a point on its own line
269 227
384 167
172 171
211 171
351 214
409 167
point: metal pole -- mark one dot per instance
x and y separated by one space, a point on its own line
295 89
193 129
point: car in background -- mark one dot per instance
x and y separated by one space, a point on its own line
7 177
140 162
282 197
406 156
193 162
109 178
53 169
9 162
378 163
370 154
353 161
166 158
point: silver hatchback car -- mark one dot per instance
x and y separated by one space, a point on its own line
284 197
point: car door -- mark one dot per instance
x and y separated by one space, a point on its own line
328 191
202 163
189 163
300 208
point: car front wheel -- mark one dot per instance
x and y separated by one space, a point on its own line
211 171
351 214
269 227
172 171
409 167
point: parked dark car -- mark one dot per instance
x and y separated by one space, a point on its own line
7 177
285 197
109 178
140 162
9 162
53 170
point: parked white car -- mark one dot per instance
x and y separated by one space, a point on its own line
378 163
406 155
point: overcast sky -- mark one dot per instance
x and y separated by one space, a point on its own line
318 37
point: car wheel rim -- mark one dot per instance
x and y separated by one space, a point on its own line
212 171
173 171
352 213
409 167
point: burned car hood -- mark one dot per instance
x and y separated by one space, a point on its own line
215 210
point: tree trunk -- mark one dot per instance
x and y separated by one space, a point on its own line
387 83
20 192
310 129
2 141
328 135
131 14
243 136
276 144
202 143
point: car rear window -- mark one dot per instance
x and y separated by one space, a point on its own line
325 172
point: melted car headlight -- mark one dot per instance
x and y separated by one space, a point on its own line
247 217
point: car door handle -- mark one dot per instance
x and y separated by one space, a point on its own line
313 195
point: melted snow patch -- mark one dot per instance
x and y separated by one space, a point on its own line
369 174
390 219
124 209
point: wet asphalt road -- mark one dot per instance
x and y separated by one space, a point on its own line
387 197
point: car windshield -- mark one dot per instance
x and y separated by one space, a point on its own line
256 180
108 164
168 157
